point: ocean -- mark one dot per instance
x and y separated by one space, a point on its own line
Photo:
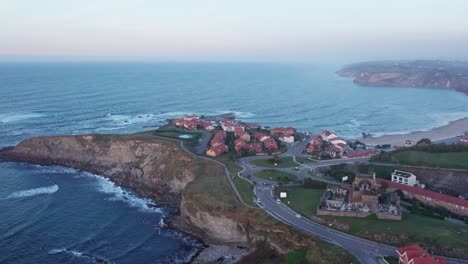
60 215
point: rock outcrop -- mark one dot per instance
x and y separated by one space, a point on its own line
424 74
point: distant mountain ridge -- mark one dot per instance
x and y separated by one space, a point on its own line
420 73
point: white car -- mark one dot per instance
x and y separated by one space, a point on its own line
298 216
278 201
258 200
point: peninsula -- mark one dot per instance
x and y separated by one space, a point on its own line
451 75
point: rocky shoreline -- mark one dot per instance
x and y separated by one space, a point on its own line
161 170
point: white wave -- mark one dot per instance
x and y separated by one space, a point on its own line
34 192
15 117
78 254
120 194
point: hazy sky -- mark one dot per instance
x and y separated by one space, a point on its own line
304 30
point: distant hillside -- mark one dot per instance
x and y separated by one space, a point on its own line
426 74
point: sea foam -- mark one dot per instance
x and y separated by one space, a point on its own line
15 117
34 192
120 194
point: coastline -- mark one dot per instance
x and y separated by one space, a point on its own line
451 130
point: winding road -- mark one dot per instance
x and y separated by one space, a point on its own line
364 250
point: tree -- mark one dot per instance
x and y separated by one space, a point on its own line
384 186
276 158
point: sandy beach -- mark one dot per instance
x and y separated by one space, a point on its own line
453 129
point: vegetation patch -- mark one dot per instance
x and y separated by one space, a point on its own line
286 162
245 189
438 155
273 175
302 199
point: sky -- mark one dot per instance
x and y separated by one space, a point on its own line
241 30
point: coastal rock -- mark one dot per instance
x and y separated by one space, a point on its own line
424 74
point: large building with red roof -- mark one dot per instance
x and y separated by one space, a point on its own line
453 204
414 254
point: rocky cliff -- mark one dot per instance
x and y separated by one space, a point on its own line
161 169
424 74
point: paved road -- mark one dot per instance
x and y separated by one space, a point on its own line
364 250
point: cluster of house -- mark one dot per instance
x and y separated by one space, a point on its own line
414 254
327 143
218 144
249 137
361 199
193 122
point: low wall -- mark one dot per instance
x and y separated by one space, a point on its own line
388 216
342 213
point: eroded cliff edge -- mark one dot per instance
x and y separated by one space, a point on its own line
162 170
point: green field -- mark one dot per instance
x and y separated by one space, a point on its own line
274 175
302 199
286 162
245 189
447 160
420 228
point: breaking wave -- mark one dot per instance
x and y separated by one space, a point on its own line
120 194
34 192
15 117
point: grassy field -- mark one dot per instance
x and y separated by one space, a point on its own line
274 175
245 189
417 227
447 160
286 162
302 199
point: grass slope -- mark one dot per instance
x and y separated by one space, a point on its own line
446 160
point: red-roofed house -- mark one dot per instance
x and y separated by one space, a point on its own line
455 205
240 133
327 135
216 151
207 126
282 131
255 147
270 144
414 254
463 141
259 136
191 118
333 151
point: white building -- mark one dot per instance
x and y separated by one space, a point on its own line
287 139
327 135
406 178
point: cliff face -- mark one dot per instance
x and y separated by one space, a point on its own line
160 169
153 168
425 74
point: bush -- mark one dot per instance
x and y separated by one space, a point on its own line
311 184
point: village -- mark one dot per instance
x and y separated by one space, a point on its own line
253 139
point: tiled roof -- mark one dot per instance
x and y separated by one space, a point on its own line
427 193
